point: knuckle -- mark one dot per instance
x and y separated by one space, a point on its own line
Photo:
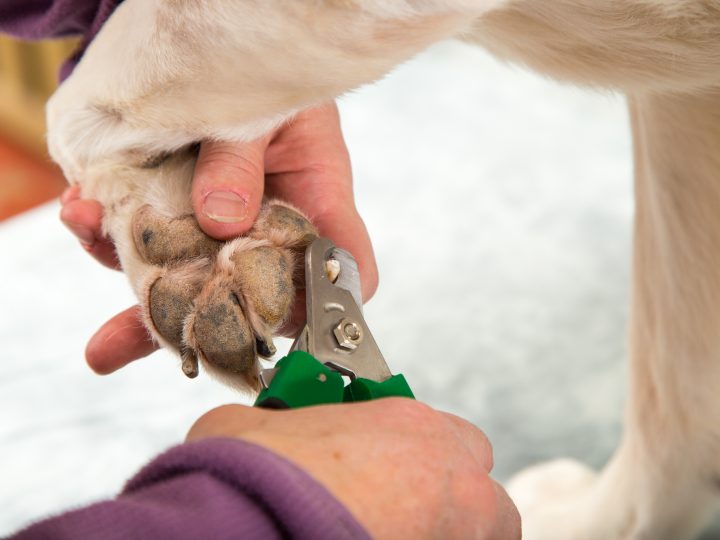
227 163
207 425
413 412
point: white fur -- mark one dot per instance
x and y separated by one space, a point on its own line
163 74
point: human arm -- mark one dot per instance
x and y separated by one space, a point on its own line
395 468
403 469
217 488
55 19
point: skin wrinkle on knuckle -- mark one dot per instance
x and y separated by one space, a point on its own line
226 162
333 196
308 149
331 173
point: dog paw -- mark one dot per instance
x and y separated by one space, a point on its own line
220 303
555 501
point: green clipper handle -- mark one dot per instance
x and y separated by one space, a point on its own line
301 381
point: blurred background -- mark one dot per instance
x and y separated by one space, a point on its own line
28 75
499 204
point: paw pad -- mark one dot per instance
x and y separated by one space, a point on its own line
220 302
161 240
222 333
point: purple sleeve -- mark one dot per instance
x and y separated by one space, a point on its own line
39 19
216 488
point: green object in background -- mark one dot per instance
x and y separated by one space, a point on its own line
301 381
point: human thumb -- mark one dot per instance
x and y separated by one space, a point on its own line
228 187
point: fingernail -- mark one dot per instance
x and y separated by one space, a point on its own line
85 234
225 207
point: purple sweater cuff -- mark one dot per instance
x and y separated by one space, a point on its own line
215 488
41 19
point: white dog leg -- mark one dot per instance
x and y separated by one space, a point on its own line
163 74
662 483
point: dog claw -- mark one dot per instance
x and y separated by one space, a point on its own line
265 348
189 363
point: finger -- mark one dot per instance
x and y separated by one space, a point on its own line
308 165
227 421
83 217
228 187
70 194
346 228
119 341
507 518
329 204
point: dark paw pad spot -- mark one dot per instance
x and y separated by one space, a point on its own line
147 235
162 240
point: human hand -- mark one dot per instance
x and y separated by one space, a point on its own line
304 162
401 468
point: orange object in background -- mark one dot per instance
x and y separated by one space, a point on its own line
28 75
26 180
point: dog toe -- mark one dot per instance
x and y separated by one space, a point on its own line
220 330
